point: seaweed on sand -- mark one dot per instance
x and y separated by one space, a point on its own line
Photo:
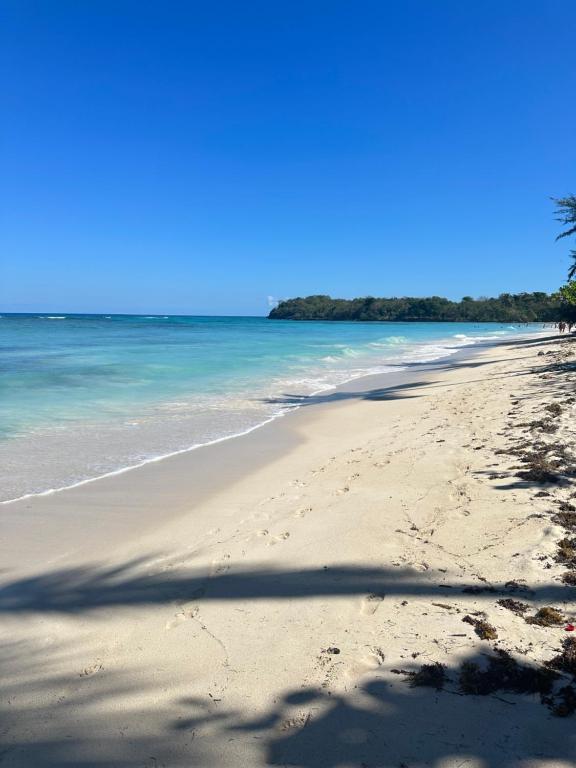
484 630
543 462
546 617
566 660
429 676
540 470
566 553
555 409
544 425
567 519
514 605
504 673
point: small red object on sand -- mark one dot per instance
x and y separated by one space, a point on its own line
569 628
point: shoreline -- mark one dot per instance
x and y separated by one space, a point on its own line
405 366
278 614
134 495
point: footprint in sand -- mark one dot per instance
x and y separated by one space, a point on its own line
220 566
371 603
184 615
368 663
281 537
302 512
341 491
92 669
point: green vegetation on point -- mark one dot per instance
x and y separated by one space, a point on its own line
507 308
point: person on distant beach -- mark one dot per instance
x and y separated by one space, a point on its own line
561 327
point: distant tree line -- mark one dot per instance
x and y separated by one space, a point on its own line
507 308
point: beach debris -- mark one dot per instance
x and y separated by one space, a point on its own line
566 518
484 630
503 673
566 553
332 650
515 586
546 617
541 470
566 660
569 628
544 425
553 408
514 605
569 578
428 676
445 606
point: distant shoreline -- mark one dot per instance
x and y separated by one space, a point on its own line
538 307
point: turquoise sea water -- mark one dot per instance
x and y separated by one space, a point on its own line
84 395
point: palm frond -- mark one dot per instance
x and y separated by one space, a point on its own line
568 232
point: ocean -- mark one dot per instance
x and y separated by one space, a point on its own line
82 396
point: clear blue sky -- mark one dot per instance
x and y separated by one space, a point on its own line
198 157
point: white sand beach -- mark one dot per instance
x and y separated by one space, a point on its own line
247 604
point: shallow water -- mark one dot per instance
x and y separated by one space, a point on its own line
84 395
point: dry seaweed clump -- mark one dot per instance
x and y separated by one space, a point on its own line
565 661
554 409
544 425
514 605
546 617
429 676
544 462
484 630
567 519
503 673
566 553
569 578
540 469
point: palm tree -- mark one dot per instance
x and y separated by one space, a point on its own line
566 209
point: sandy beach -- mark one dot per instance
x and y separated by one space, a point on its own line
266 600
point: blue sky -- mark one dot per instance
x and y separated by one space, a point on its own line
198 157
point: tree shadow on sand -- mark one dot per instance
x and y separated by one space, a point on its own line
83 590
379 722
94 718
382 723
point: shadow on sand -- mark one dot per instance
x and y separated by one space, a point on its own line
83 590
381 722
